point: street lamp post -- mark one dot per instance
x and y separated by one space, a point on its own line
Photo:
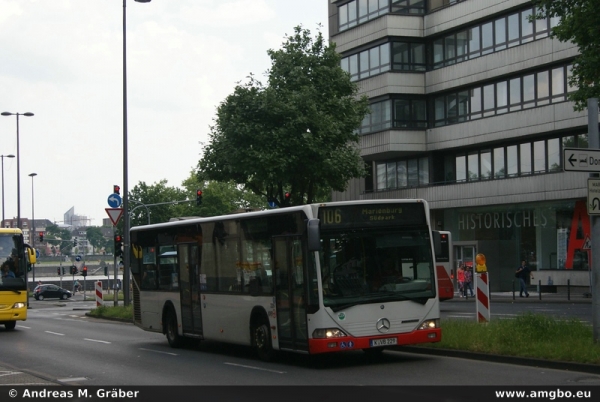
126 270
32 175
28 114
4 156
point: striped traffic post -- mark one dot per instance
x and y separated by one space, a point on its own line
483 289
99 299
483 298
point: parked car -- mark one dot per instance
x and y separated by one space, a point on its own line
49 291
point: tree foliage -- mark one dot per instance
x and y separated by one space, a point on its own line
60 238
217 199
579 23
296 134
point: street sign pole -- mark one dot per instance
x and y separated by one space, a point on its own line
594 143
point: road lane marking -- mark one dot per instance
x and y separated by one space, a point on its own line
255 368
72 379
96 340
159 351
54 333
23 326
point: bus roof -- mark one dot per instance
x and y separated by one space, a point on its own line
184 221
10 231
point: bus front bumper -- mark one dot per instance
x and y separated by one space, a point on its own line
370 342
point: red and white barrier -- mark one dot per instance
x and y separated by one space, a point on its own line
483 297
99 300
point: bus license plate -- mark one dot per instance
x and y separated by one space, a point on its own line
383 342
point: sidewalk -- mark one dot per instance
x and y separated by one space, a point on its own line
15 377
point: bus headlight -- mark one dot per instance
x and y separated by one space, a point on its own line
18 305
430 324
326 333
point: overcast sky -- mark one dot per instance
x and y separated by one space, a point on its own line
62 61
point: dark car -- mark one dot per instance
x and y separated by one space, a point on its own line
42 292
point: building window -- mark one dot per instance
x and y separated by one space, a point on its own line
402 173
399 113
488 37
531 90
408 6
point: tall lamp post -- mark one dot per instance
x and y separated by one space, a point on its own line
28 114
4 156
32 175
126 270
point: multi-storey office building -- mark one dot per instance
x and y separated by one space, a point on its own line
469 111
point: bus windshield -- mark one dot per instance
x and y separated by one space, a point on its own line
372 265
12 266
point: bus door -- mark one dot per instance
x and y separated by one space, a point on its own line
191 317
290 292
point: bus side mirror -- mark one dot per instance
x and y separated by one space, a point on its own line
437 242
31 255
314 235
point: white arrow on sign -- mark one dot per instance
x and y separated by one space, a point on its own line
114 214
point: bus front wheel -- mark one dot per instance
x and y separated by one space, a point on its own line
171 330
262 341
10 325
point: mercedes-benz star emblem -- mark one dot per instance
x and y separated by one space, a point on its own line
383 325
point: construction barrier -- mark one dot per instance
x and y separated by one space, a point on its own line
483 297
99 299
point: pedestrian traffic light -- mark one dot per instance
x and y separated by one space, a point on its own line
117 189
63 270
198 197
105 270
73 270
58 271
118 245
286 199
84 272
41 236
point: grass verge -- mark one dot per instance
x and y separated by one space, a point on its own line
528 335
115 312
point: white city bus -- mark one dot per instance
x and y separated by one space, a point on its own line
309 279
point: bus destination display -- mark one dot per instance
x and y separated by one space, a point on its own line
372 215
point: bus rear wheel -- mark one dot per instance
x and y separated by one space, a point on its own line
173 337
10 325
261 334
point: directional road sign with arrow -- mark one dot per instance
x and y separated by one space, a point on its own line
581 160
593 199
114 200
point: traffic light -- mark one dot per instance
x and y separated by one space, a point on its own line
84 272
73 270
286 199
118 245
74 242
41 236
63 271
105 270
117 189
198 197
58 271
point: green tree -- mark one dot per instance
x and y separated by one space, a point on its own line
60 238
297 134
94 235
578 23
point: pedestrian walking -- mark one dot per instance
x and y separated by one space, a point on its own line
522 274
460 276
468 280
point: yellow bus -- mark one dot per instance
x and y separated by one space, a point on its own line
16 258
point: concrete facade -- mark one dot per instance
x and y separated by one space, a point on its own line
463 162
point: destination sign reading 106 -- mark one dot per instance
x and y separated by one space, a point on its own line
372 215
